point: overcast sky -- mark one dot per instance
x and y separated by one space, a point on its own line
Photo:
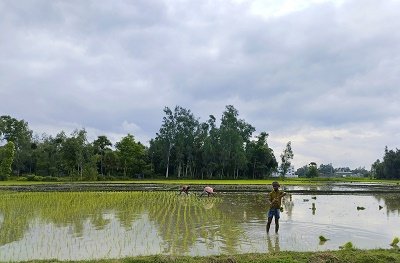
323 74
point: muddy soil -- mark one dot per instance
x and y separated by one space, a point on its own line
120 187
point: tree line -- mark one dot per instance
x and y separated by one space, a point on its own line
389 167
327 170
184 147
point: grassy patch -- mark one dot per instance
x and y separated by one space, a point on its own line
286 181
351 256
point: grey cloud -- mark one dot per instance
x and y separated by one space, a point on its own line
99 64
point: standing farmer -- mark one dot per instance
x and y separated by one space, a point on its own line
275 201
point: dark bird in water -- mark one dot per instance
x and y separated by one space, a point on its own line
380 207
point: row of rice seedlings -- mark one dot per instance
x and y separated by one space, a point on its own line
177 217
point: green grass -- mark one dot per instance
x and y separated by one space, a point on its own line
16 182
286 181
350 256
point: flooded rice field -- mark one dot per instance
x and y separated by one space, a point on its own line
93 225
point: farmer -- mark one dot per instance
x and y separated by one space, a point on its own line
208 190
275 201
184 189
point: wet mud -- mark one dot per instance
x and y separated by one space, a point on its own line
335 188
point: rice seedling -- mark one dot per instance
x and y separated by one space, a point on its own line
395 242
323 239
152 219
347 246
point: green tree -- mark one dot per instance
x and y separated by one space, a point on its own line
211 148
234 134
7 153
326 169
48 155
377 169
110 162
197 160
286 158
389 168
166 137
77 154
361 171
156 153
131 155
302 171
261 157
391 164
312 170
18 132
100 146
174 145
187 127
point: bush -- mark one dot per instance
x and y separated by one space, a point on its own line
101 177
51 179
90 174
22 178
35 178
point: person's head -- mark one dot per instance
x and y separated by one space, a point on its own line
275 185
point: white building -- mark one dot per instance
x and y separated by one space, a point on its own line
289 173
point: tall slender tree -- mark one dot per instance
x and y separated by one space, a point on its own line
167 136
101 145
211 148
286 158
234 133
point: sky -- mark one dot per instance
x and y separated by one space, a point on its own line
322 74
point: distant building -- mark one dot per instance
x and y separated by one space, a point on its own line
343 174
289 173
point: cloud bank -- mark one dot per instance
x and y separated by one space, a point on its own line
322 74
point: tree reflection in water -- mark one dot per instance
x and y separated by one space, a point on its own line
158 222
391 202
180 221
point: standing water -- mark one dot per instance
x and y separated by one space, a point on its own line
80 226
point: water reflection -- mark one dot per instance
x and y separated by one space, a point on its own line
73 226
287 203
273 246
389 201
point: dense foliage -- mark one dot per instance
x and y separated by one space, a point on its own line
389 168
184 147
327 170
187 148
